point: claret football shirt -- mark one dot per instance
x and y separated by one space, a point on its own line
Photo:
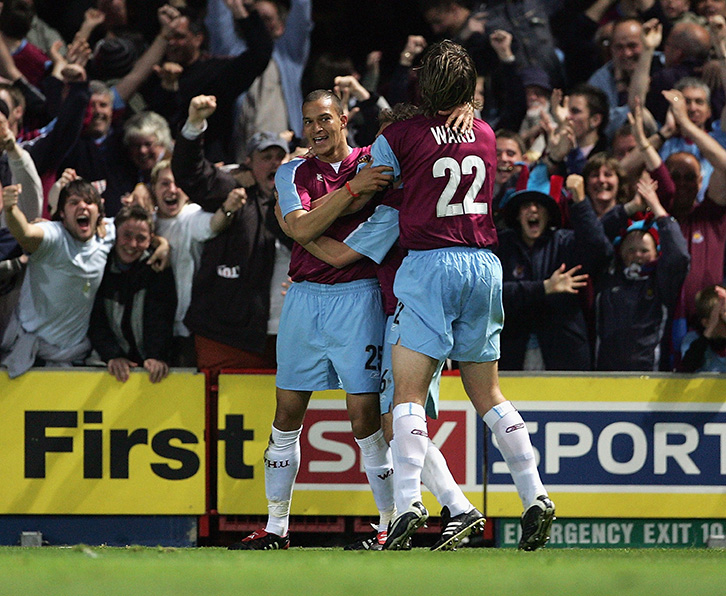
448 180
299 183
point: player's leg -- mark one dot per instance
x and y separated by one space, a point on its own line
365 419
301 370
460 517
420 337
481 382
354 329
412 373
282 463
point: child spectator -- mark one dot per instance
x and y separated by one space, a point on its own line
705 350
637 295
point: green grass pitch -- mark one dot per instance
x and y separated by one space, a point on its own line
101 571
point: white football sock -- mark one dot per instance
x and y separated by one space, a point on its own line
516 447
378 465
409 445
282 462
437 477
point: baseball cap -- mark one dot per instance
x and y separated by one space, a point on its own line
265 139
535 76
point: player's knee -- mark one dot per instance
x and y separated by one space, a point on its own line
365 424
288 419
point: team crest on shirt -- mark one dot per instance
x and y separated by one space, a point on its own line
364 159
319 177
518 272
697 237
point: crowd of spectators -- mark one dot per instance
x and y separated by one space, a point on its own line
140 141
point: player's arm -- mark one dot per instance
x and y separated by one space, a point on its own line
305 226
28 235
372 239
355 205
382 155
333 252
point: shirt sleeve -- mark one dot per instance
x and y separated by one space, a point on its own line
383 155
200 226
291 196
52 237
375 236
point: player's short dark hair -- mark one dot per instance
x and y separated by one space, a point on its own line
504 133
135 212
447 77
80 188
319 94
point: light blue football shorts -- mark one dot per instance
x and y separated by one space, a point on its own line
450 304
331 337
386 396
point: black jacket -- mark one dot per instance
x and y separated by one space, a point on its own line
632 315
556 319
133 315
231 289
222 76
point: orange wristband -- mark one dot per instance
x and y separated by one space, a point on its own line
352 194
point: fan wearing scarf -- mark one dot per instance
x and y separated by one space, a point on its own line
636 296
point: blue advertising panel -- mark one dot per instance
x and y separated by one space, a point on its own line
613 446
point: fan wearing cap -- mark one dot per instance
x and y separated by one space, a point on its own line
236 298
703 223
637 295
544 268
537 91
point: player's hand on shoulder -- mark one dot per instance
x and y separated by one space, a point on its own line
371 178
461 118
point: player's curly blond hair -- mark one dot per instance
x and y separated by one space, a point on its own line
447 77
